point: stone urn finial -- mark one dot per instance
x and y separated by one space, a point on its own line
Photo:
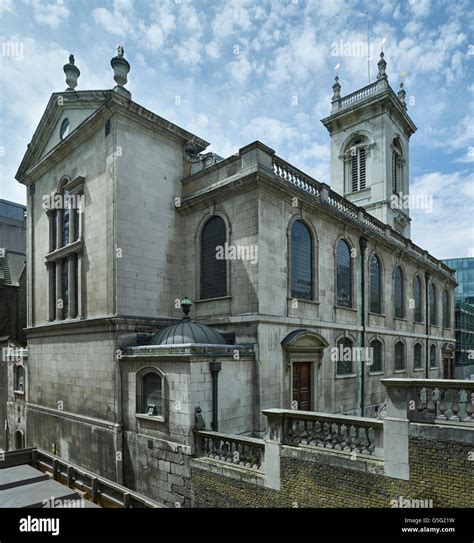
72 73
402 94
336 89
121 68
382 65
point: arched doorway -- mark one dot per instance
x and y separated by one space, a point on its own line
303 353
19 440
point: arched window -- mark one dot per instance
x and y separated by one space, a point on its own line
399 356
446 310
20 378
65 218
375 272
213 269
152 394
358 168
399 293
343 274
418 356
433 304
433 357
417 298
376 354
344 356
301 261
397 164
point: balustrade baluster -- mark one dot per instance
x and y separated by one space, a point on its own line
455 407
430 405
469 409
366 441
348 441
442 405
339 437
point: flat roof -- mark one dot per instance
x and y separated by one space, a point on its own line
25 486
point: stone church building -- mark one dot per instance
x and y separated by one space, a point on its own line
296 294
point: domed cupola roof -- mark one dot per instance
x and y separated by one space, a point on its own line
187 332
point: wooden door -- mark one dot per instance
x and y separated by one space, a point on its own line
448 368
301 396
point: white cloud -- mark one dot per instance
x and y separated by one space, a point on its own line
6 6
49 14
212 50
449 228
117 21
240 69
234 17
189 51
420 8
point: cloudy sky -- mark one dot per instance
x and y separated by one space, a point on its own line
233 71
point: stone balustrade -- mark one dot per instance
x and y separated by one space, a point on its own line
294 176
338 432
246 452
323 194
442 401
359 95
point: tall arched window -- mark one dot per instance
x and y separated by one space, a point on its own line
376 353
446 310
343 274
152 394
399 356
375 291
358 166
344 356
20 378
417 356
213 269
399 293
417 298
433 304
301 261
397 164
433 357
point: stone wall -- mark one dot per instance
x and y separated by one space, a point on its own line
440 470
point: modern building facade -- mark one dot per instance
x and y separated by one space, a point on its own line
464 316
301 298
12 320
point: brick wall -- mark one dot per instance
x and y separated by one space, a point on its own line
439 471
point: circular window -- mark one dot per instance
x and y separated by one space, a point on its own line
64 131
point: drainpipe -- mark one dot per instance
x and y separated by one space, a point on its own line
427 325
215 368
363 247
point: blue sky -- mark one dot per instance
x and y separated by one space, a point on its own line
257 69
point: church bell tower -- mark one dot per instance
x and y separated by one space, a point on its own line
370 131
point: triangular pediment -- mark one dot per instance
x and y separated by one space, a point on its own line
76 107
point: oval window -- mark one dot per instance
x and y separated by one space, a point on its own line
64 131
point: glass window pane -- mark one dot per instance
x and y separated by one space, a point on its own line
399 356
343 274
152 394
344 356
399 294
213 270
301 262
375 285
376 353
